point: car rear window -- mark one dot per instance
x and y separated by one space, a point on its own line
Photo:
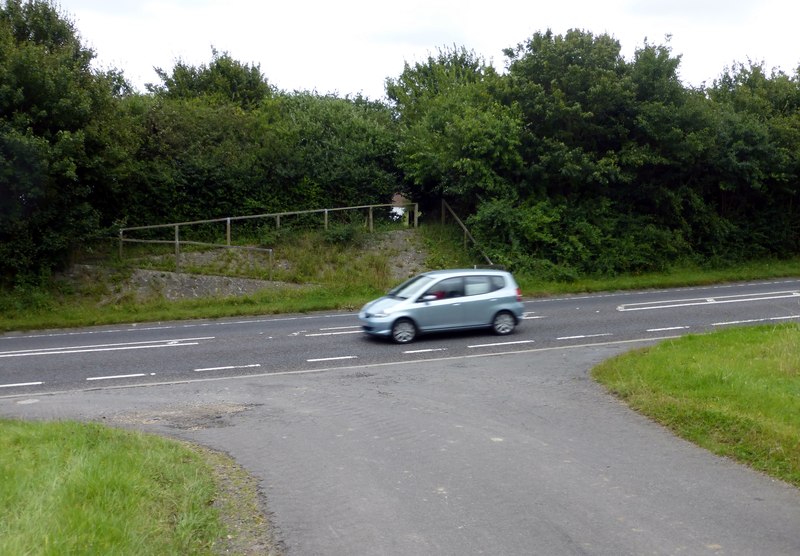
498 283
478 285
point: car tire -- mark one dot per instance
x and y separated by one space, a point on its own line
403 331
503 323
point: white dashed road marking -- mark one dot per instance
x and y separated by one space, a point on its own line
105 347
228 368
583 336
20 384
137 375
501 344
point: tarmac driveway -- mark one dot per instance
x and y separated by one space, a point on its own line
511 454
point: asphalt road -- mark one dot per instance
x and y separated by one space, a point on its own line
148 353
456 444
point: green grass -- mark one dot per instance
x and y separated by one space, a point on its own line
678 276
64 313
71 488
734 392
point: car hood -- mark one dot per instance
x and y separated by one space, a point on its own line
381 304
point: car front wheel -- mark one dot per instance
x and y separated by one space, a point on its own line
403 331
503 323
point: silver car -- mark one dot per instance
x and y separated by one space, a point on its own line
445 300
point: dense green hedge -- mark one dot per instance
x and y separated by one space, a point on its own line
575 161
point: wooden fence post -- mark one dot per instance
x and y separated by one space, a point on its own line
177 248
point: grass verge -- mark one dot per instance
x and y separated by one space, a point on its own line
76 488
676 277
734 392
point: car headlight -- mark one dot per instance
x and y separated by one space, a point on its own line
384 313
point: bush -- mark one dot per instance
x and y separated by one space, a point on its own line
559 242
342 234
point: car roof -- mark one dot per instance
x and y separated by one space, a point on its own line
466 272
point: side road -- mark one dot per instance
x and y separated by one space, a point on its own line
512 454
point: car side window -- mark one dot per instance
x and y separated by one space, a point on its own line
477 285
498 283
446 289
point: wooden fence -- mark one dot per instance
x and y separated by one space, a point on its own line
446 209
177 241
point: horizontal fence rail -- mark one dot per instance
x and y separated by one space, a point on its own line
177 241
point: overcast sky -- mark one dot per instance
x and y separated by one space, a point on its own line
352 46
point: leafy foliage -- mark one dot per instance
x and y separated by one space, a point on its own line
575 161
457 139
223 80
55 156
627 171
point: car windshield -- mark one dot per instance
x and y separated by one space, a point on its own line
409 287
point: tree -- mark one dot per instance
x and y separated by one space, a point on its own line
756 158
576 99
457 140
338 151
196 160
610 149
222 80
54 131
201 158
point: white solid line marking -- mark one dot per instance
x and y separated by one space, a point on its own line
750 321
668 329
530 316
332 358
116 376
425 350
105 347
333 333
583 336
341 327
228 368
501 344
671 304
19 384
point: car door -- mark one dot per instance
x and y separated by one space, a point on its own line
480 300
441 306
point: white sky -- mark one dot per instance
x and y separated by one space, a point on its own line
352 46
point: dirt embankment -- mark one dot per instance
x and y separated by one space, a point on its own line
403 250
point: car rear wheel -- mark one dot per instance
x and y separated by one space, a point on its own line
403 331
503 323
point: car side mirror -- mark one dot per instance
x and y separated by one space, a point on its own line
429 297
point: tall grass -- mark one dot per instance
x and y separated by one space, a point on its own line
71 488
734 392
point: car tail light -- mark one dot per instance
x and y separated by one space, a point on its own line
519 294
